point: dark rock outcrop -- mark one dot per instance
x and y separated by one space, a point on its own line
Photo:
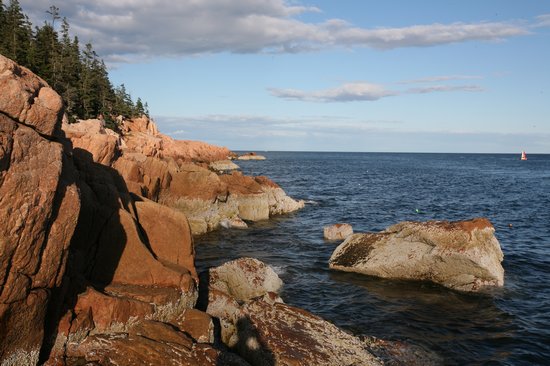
131 260
462 255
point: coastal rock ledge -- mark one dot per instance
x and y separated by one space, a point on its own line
192 177
461 255
256 324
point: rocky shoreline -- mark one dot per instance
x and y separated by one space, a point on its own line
193 177
97 262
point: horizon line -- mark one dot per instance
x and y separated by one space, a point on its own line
389 152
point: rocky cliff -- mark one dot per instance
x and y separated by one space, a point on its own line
95 270
80 253
39 205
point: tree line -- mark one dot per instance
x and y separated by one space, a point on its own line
78 74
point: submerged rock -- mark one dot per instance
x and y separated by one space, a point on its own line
396 353
461 255
234 223
337 231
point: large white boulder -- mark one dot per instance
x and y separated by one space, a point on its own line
461 255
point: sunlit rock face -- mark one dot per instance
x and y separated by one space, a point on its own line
189 176
39 205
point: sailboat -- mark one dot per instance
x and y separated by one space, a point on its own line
523 155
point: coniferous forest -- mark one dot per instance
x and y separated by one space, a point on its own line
77 73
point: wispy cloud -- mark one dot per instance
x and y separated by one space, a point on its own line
339 133
350 92
435 79
542 21
360 91
235 126
426 35
445 88
137 29
253 121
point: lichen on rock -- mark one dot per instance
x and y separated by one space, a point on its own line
461 255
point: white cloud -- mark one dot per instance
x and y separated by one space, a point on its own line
136 29
350 92
429 35
360 91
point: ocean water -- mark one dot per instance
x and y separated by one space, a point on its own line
371 191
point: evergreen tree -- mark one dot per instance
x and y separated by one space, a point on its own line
45 54
140 109
54 12
123 102
2 27
80 77
105 90
90 102
146 109
16 33
70 69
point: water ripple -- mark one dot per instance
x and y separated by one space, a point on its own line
509 326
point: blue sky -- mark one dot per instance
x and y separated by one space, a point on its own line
406 76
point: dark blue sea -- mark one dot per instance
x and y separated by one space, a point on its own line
371 191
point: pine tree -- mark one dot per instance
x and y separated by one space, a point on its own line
70 69
140 109
80 77
55 47
146 109
2 27
16 33
123 102
90 102
45 54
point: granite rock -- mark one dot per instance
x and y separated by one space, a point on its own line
461 255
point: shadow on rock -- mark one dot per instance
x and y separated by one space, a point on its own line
250 345
97 244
